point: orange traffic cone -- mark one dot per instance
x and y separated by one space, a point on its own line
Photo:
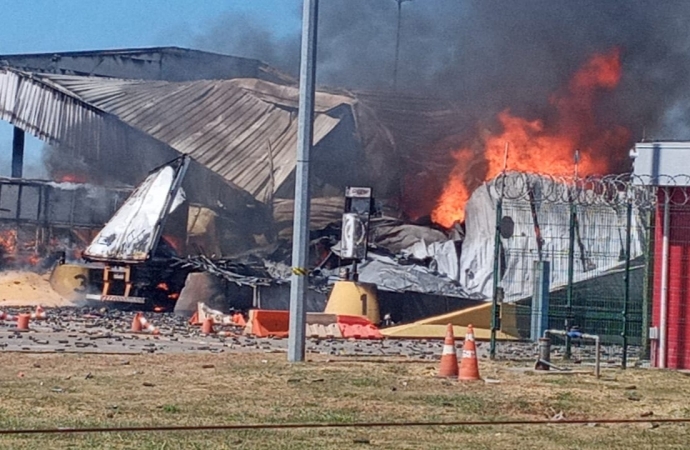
469 368
136 323
146 325
449 356
23 322
207 326
40 314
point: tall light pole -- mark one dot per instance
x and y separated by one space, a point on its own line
305 137
397 44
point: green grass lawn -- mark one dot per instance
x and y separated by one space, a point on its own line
47 391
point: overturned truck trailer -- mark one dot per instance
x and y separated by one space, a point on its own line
129 259
135 258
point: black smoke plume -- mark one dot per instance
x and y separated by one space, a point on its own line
487 55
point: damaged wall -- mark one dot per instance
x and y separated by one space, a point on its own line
38 219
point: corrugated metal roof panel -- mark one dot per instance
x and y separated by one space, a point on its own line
49 114
323 211
223 124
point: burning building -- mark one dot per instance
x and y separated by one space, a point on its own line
110 117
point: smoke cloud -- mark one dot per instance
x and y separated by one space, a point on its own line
484 57
488 55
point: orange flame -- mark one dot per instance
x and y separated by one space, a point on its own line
8 241
534 147
34 260
72 178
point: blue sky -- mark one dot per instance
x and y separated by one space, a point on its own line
31 26
36 26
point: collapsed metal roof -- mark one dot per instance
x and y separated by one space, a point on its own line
239 129
242 129
220 123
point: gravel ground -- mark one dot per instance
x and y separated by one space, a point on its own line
89 330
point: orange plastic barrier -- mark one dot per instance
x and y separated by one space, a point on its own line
238 319
358 327
273 323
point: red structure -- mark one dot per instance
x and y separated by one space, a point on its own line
671 281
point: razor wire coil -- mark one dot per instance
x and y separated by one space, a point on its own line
609 190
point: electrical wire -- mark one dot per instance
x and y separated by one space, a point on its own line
284 426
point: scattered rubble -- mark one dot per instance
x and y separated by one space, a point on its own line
108 331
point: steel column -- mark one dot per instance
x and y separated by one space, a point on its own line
18 153
305 137
648 281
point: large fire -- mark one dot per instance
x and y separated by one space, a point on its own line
535 147
19 249
14 253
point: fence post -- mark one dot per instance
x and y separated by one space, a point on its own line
571 272
497 267
626 279
540 299
647 282
495 311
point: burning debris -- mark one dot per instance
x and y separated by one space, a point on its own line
42 222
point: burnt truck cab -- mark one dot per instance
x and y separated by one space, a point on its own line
129 260
153 284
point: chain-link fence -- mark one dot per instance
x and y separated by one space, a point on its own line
583 244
